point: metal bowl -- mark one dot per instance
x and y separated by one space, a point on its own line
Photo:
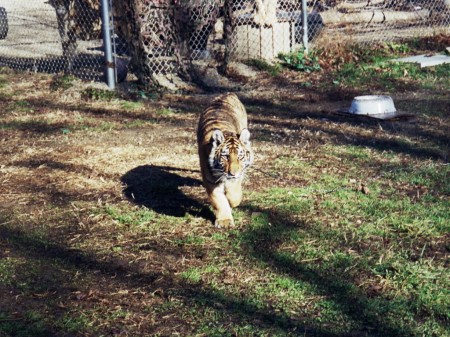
372 105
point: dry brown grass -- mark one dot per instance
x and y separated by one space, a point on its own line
94 242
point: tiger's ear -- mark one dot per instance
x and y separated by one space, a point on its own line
217 137
244 137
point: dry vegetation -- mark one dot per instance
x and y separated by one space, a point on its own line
105 230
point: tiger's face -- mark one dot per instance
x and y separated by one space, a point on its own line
230 156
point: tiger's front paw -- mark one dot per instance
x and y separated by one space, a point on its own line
224 223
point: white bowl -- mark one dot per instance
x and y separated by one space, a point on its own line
372 105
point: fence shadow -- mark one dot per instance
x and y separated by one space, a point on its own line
158 188
84 66
262 244
237 308
288 117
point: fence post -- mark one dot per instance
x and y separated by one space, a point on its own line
109 62
305 25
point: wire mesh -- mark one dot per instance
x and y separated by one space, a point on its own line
169 36
264 28
52 36
370 21
157 38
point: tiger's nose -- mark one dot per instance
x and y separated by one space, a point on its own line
234 169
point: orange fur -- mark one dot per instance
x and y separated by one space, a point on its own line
225 153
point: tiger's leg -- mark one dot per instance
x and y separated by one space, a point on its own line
233 192
221 206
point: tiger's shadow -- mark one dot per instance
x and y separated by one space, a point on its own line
158 188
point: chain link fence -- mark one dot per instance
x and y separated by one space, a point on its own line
369 21
52 36
159 37
265 28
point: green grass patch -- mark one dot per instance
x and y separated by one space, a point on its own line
3 82
21 106
130 105
7 270
272 69
139 123
31 325
141 217
79 124
72 323
354 64
432 178
165 112
193 275
379 240
392 75
301 61
63 82
99 94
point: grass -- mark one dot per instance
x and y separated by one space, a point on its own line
99 94
377 65
348 240
167 112
343 230
29 122
301 61
128 105
3 82
386 73
272 69
63 82
7 268
31 326
140 217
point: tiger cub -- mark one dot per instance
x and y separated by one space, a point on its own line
225 153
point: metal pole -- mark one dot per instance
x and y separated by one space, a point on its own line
305 25
109 62
113 39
